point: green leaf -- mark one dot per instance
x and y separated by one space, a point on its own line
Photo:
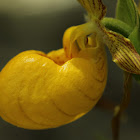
127 12
135 39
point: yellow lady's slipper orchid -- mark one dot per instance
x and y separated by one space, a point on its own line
39 90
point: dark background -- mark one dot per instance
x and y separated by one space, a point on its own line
43 30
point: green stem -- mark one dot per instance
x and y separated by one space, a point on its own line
121 108
117 26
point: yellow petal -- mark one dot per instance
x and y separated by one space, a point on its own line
95 8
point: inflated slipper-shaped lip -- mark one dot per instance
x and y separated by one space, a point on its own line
56 66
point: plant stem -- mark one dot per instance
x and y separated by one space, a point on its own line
106 104
117 26
121 108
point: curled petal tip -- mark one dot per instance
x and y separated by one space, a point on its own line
95 8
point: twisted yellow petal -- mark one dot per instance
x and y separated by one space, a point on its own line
123 53
95 8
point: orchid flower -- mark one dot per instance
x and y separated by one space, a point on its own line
39 91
